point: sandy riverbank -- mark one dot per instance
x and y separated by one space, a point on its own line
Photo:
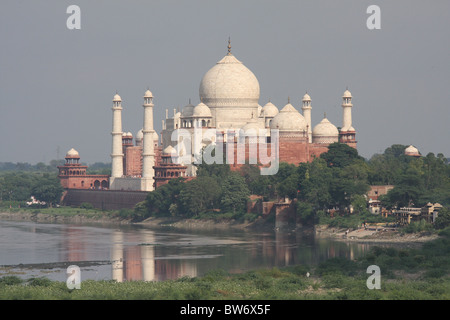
375 235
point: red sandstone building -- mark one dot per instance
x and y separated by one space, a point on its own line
73 175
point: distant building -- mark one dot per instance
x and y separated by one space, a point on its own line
374 203
429 213
412 151
73 175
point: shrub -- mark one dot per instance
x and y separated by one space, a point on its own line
87 205
10 280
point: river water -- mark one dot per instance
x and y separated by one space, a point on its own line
125 253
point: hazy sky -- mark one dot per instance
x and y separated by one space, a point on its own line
57 85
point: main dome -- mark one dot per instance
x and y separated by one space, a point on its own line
229 83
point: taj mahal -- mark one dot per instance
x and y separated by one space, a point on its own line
229 107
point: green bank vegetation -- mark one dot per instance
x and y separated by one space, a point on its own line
337 180
406 274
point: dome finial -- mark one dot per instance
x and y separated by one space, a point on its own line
229 46
289 99
324 115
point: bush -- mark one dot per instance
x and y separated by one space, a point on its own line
87 205
10 280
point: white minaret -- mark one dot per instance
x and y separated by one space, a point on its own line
347 111
306 107
148 154
116 153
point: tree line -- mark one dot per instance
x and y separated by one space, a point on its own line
339 179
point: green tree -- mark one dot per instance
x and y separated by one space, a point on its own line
314 183
48 189
200 194
443 218
235 193
340 155
286 180
158 201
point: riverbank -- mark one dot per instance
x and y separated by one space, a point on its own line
379 235
78 216
106 218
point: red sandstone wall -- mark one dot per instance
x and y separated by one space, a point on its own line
133 161
104 199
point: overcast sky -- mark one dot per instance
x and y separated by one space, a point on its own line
57 84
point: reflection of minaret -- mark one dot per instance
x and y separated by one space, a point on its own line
148 256
117 256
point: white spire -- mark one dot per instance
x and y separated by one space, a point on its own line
116 153
148 152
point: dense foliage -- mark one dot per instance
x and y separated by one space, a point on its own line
19 187
339 179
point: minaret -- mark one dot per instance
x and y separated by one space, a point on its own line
347 111
306 107
148 154
347 134
116 154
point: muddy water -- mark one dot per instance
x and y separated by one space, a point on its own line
29 249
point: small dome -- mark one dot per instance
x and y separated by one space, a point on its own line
201 110
289 119
347 94
188 110
72 153
139 135
169 150
253 125
306 97
148 94
117 98
412 151
129 134
270 110
325 129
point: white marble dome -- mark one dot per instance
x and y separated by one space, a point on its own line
289 119
169 150
347 94
148 94
229 83
325 128
72 153
139 135
201 110
325 132
270 110
411 150
117 98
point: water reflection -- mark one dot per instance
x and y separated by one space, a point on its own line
138 253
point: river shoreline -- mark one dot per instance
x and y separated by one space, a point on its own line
374 236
